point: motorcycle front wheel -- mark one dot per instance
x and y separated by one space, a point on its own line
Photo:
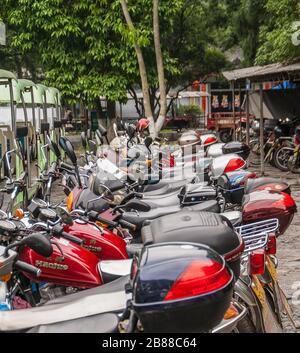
281 158
225 135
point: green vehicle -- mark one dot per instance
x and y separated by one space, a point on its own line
14 128
10 96
28 113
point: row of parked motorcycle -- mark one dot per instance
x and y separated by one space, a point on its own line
139 246
281 143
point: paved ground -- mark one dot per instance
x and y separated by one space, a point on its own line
288 252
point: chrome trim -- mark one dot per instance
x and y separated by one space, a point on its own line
227 326
255 235
267 226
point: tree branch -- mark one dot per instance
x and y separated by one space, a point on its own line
137 102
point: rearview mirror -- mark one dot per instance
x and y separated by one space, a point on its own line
67 146
64 215
148 141
103 191
39 243
53 147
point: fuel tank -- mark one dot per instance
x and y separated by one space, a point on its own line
77 267
262 205
105 244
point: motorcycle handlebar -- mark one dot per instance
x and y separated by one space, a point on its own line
72 238
24 266
57 230
127 225
94 216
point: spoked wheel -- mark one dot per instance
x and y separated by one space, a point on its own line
281 158
225 135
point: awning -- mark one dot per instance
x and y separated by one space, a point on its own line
7 74
279 71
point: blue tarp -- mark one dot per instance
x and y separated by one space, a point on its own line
286 85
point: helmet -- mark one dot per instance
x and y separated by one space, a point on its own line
297 132
278 131
142 124
180 287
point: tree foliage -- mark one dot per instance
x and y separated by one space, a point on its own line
84 47
276 32
86 50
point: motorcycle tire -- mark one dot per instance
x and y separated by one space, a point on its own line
246 325
282 162
272 159
225 136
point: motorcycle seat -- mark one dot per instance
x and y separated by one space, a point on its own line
162 200
83 203
110 297
164 187
102 323
139 218
196 227
252 184
207 228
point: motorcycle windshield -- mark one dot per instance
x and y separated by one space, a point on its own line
106 170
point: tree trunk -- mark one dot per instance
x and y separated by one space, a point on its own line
142 69
99 108
111 112
160 69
